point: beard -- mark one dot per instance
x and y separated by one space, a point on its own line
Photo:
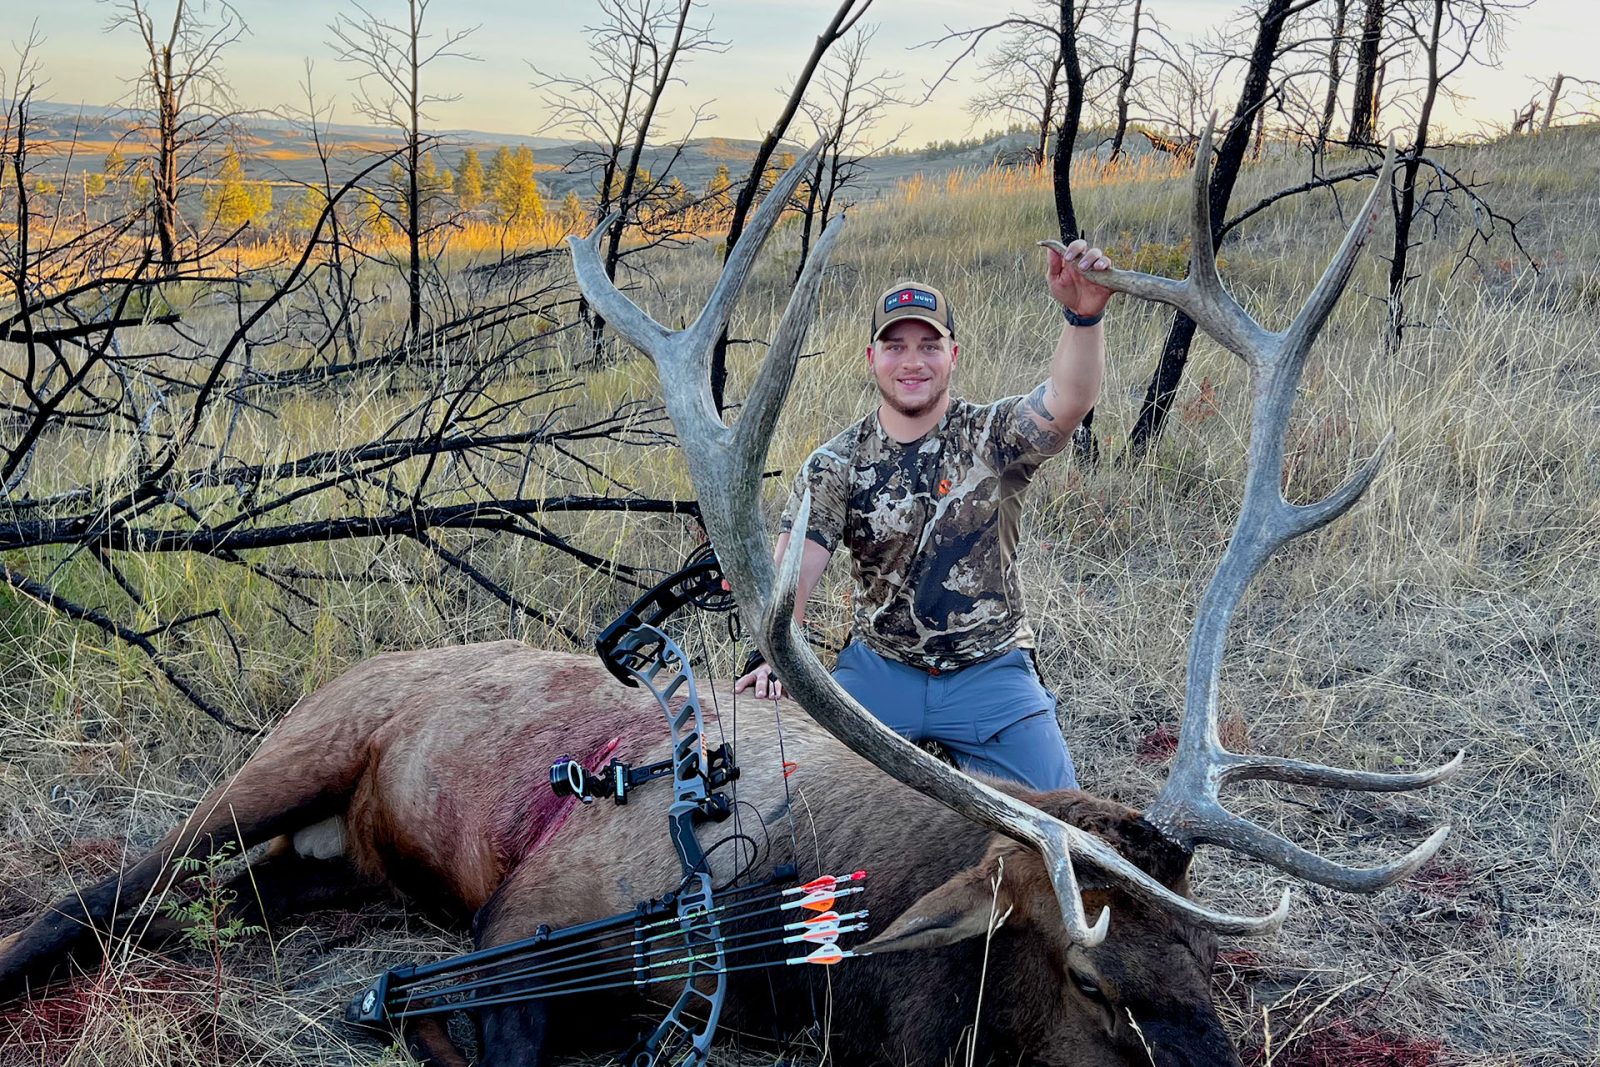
913 411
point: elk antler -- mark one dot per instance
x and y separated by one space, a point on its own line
1187 810
725 465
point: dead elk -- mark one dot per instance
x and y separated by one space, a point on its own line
427 772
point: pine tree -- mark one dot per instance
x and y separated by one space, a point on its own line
302 215
717 188
571 217
512 187
433 186
231 200
371 217
469 181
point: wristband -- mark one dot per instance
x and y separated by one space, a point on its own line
752 661
1081 320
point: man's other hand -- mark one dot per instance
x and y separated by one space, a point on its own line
766 686
1069 283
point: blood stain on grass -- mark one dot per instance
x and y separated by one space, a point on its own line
1157 746
54 1025
1342 1043
1444 880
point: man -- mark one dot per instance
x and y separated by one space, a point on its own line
926 494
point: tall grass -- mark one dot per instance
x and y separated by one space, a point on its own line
1454 608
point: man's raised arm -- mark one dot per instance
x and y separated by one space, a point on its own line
1077 368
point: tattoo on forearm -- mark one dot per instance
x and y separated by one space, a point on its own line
1035 402
1037 421
1040 438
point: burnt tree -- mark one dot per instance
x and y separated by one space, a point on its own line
392 57
1230 158
183 102
844 19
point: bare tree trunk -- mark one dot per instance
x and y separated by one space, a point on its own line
165 185
1125 83
808 216
630 174
1230 157
843 19
1061 172
1330 103
1377 99
1071 117
1363 104
413 197
1406 211
1047 113
1550 108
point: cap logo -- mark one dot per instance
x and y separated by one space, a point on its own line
910 298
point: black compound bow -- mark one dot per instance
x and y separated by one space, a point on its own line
677 937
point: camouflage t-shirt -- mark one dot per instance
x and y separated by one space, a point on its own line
931 527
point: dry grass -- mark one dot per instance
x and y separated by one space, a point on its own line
1455 608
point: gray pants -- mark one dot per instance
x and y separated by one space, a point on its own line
995 717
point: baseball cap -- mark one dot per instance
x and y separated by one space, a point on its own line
913 300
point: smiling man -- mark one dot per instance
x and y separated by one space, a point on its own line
925 493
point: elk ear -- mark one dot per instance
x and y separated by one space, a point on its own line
963 907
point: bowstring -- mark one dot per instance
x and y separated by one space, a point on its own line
734 636
740 867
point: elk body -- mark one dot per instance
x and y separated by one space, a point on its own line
436 764
428 772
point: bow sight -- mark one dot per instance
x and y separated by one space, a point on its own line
678 936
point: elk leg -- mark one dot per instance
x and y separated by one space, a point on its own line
429 1041
287 883
509 1035
279 884
513 1035
268 797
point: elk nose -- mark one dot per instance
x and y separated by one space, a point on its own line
1187 1043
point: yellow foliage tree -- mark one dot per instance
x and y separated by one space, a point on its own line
231 200
512 188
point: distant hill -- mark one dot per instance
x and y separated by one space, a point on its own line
281 152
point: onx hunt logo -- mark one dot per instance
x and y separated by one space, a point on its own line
912 298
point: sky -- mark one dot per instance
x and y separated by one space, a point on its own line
767 43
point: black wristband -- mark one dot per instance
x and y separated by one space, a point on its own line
1081 320
752 661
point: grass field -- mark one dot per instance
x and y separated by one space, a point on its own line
1454 608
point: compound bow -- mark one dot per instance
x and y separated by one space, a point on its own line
677 937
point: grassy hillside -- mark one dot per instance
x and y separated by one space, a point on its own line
1454 608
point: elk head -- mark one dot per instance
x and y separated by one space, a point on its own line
1164 940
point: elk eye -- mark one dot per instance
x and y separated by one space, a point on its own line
1087 986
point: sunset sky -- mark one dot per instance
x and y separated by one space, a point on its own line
768 41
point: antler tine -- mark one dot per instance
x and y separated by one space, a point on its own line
683 357
1203 275
703 332
1330 286
626 317
1201 295
764 403
1223 828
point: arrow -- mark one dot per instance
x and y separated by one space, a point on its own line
825 927
825 955
818 895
